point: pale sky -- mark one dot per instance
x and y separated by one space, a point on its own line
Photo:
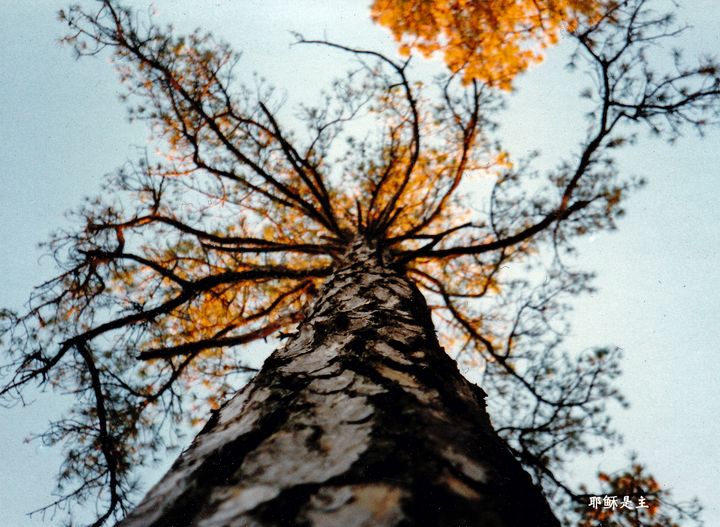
62 127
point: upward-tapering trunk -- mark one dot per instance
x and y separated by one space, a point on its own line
360 419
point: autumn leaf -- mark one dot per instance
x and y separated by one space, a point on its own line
488 41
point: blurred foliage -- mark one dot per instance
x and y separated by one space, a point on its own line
488 41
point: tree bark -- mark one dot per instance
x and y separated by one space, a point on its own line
360 419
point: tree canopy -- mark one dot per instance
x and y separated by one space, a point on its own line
488 41
186 258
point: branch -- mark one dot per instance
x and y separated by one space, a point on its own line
385 218
523 235
192 348
107 446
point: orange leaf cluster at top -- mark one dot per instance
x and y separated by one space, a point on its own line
487 40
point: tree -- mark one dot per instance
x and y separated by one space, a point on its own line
244 223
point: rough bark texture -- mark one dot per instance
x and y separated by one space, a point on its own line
360 419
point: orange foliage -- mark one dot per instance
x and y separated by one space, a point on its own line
488 41
645 495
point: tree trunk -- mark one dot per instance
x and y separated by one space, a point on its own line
360 419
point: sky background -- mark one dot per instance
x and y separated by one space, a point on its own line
62 127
